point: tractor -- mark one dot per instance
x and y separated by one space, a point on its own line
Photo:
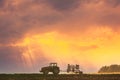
51 68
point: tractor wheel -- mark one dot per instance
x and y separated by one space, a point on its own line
56 71
45 72
80 72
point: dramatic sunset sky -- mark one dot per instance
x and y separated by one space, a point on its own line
34 33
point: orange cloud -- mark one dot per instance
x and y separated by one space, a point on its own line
96 47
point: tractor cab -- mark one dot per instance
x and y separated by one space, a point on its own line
53 64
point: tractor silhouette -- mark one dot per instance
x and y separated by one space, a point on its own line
51 68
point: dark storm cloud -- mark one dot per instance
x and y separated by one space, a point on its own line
10 57
2 3
19 19
15 27
7 31
16 22
64 5
111 20
113 3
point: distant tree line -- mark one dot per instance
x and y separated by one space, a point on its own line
108 69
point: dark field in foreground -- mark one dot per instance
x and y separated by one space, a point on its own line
60 77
